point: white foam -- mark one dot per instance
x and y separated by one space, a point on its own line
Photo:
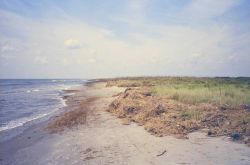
20 122
32 90
35 90
63 87
63 101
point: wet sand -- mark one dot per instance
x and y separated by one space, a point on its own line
104 139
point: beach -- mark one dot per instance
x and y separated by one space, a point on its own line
105 139
128 82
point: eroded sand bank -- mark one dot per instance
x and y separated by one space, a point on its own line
103 139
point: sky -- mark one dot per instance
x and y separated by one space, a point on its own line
116 38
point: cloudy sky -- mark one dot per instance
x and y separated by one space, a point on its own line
107 38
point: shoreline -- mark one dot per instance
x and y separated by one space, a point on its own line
33 131
61 96
104 138
22 124
40 131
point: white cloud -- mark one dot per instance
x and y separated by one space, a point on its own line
6 48
91 60
136 10
205 9
166 49
7 56
137 5
64 61
72 44
41 60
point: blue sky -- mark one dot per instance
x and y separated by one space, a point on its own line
96 38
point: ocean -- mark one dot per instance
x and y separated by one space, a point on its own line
23 102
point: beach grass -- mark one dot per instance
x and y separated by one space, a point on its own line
181 105
194 90
215 91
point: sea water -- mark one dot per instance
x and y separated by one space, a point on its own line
25 101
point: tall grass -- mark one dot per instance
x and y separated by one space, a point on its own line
193 90
194 93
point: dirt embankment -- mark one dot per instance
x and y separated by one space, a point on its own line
163 116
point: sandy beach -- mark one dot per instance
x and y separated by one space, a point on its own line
127 82
105 139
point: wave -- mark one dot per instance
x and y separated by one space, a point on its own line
63 87
32 90
22 121
42 91
35 90
63 102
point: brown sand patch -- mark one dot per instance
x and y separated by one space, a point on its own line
70 90
74 117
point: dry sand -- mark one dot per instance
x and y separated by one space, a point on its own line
103 139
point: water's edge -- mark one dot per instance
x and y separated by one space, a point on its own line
16 127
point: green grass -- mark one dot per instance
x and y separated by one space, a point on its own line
216 91
193 90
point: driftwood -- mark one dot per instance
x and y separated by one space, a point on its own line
162 153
